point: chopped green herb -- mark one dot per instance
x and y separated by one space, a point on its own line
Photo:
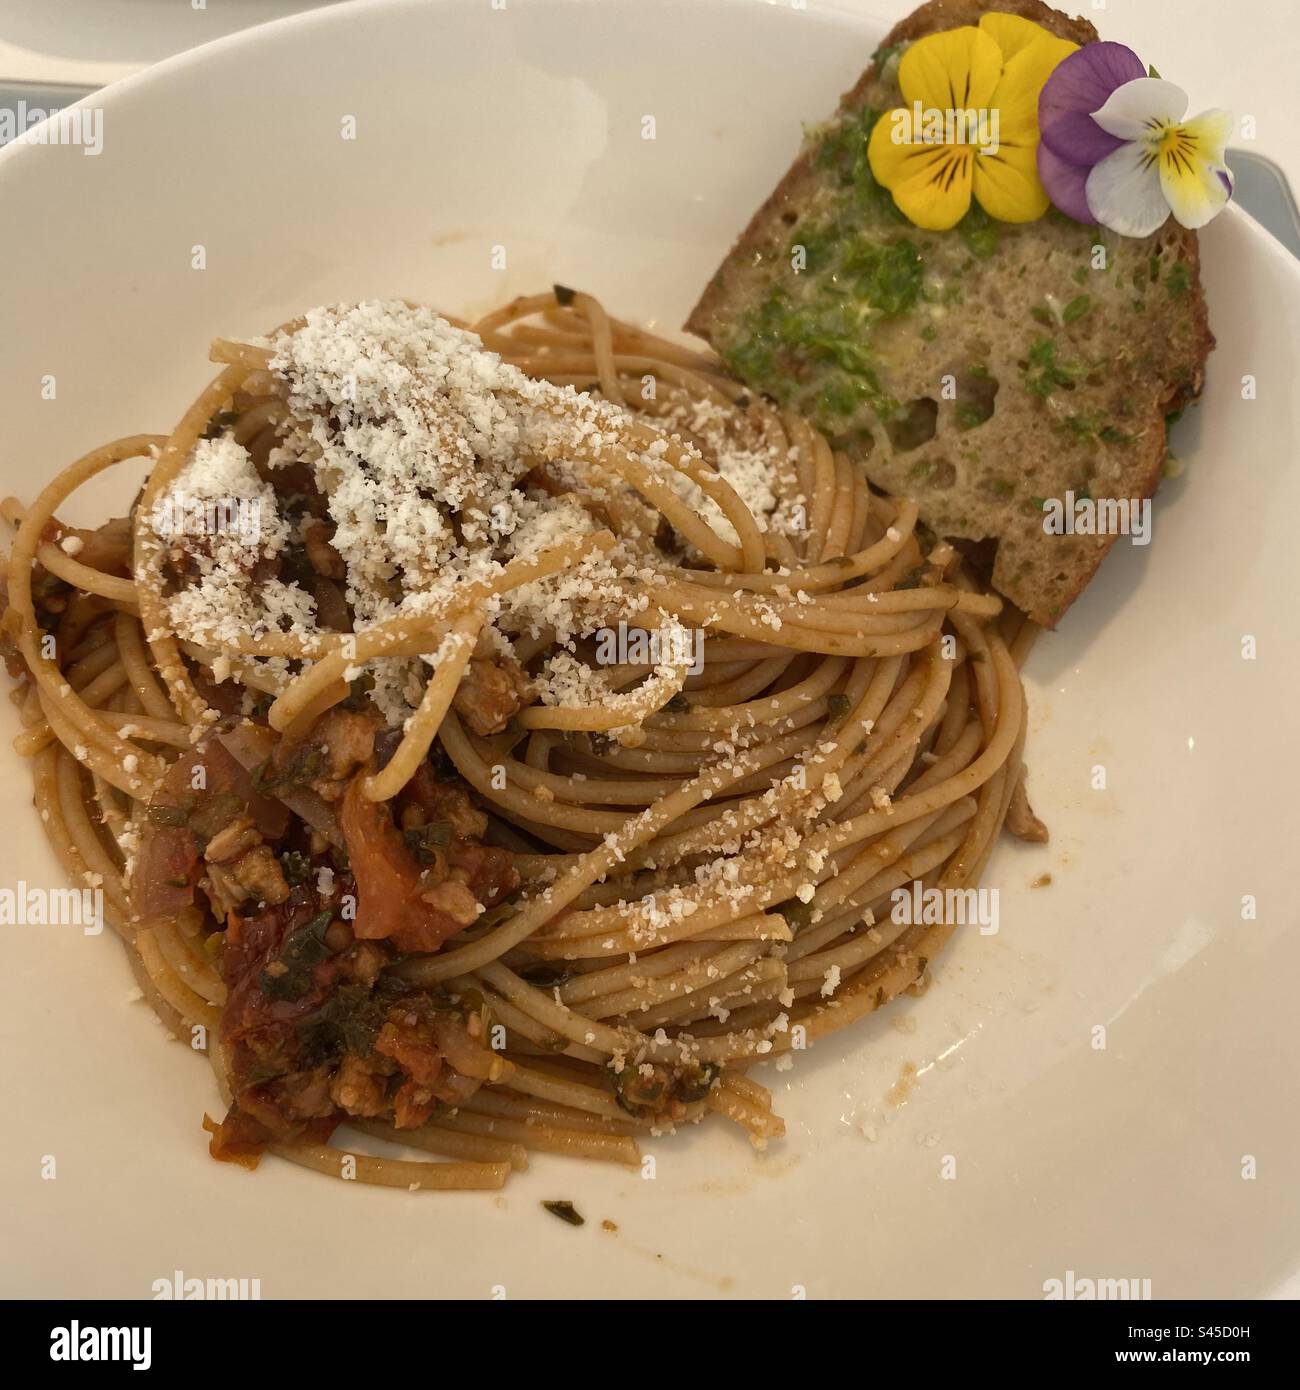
347 1022
696 1083
295 866
264 777
888 277
1080 426
1043 373
1077 308
422 839
302 951
841 395
220 422
980 232
214 813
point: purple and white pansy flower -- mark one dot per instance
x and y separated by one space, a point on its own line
1116 150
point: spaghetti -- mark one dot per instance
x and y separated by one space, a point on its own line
544 757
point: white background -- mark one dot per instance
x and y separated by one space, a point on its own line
1239 54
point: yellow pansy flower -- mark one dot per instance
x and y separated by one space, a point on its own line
970 125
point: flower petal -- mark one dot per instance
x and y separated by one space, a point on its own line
1007 184
1066 184
1192 171
953 70
1023 77
1139 107
888 156
1125 194
1011 33
931 183
1211 131
1079 86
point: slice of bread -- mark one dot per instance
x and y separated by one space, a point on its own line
983 371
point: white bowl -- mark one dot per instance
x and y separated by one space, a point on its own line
522 128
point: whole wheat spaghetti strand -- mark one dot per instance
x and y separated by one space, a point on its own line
704 853
423 726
